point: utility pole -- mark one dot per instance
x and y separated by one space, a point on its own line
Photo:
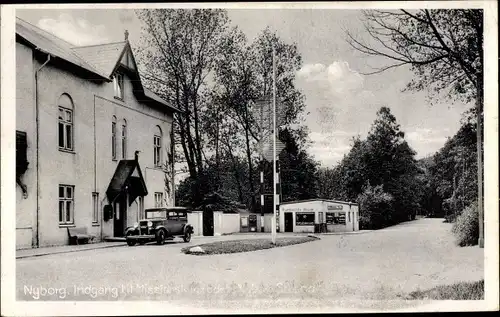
275 203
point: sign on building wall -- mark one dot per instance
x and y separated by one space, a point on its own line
334 207
304 219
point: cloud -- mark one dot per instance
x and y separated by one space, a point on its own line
77 31
329 148
337 76
339 108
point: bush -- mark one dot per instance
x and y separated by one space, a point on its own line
458 291
466 226
450 218
375 208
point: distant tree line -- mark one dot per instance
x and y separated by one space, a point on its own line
209 70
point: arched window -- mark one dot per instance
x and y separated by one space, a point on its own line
157 146
113 138
124 139
65 123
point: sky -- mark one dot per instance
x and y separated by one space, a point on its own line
341 103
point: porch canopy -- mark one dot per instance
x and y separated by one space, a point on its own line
127 178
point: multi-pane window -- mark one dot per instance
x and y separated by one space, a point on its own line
95 207
124 139
118 85
65 129
157 147
65 123
158 199
66 204
113 138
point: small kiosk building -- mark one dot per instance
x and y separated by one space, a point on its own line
319 215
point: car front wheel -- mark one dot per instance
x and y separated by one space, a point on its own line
160 237
130 242
187 236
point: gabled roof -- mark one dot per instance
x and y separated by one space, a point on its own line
53 45
101 60
123 176
104 56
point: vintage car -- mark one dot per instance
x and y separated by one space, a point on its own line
160 224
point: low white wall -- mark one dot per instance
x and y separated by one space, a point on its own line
226 223
267 222
195 219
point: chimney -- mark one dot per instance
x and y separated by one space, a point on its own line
136 156
126 35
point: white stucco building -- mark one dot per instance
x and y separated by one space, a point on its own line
82 115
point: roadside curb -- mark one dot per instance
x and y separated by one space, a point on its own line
345 233
49 252
68 251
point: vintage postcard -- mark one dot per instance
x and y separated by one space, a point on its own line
203 158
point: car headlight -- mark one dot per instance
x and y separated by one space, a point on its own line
136 225
150 224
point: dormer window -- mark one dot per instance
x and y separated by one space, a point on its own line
118 84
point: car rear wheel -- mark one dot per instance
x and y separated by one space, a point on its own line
160 237
187 236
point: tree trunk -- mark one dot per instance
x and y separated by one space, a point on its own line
250 165
236 175
479 105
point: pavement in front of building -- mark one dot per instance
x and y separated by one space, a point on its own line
336 270
118 242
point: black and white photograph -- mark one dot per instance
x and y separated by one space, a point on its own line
201 158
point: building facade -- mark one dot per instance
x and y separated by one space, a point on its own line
319 215
93 145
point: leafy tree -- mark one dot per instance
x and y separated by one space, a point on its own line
454 170
299 178
179 49
444 49
384 161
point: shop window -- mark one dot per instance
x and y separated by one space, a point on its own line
66 204
304 219
244 222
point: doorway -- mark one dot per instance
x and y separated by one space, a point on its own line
208 223
119 218
288 222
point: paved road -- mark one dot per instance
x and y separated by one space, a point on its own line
370 266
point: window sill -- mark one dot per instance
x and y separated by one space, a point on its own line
67 151
67 225
95 224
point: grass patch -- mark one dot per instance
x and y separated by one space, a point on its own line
458 291
247 245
